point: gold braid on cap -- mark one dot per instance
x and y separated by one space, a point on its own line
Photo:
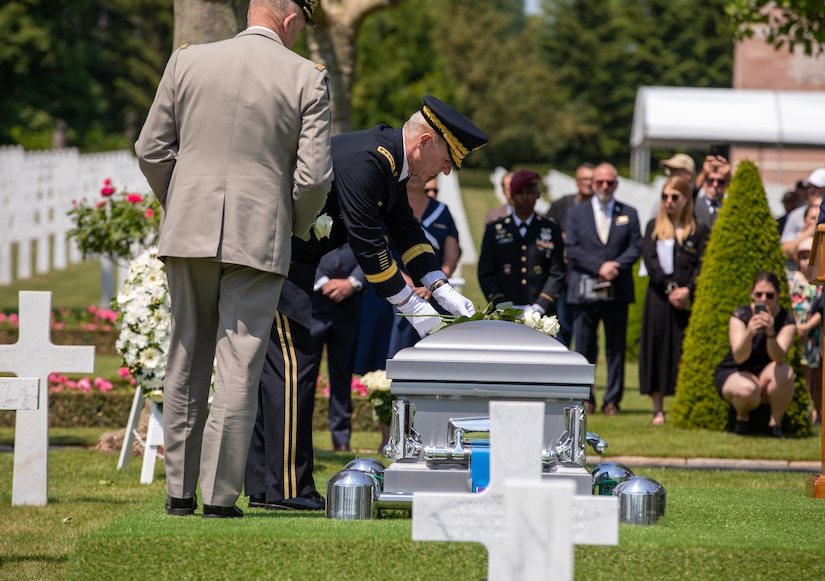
310 7
457 150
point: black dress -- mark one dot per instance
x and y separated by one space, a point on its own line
663 327
759 358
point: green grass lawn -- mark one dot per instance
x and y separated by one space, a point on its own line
101 523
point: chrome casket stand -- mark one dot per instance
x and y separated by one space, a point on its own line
444 385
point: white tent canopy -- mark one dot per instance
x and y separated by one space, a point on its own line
691 118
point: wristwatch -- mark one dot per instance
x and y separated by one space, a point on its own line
356 284
671 286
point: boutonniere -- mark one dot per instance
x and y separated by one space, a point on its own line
622 220
322 226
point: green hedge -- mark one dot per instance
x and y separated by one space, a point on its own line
744 242
111 410
103 341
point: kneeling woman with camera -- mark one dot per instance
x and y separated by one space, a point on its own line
754 371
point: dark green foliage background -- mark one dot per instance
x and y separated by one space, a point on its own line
744 242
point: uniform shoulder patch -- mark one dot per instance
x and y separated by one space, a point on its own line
386 153
320 67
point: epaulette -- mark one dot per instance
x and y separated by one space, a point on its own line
183 46
386 153
319 66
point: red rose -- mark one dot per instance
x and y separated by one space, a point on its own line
149 213
134 198
107 191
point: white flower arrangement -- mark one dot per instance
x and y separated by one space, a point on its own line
145 323
505 311
378 392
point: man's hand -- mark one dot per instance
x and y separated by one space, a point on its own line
453 301
427 319
609 270
338 289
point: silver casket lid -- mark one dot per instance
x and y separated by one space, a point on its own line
491 352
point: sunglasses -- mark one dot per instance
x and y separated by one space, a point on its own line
433 190
605 182
767 295
672 197
715 182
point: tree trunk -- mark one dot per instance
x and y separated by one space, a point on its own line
332 42
201 21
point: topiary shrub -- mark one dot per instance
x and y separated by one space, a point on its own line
744 242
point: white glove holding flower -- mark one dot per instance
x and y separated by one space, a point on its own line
453 301
424 318
534 308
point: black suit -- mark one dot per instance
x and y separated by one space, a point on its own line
335 325
366 193
524 270
585 254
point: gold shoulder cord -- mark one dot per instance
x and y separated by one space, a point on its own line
386 153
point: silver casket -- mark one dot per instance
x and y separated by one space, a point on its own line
444 385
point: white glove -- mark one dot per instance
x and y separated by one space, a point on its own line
534 308
454 301
415 305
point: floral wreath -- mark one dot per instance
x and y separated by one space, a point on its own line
144 322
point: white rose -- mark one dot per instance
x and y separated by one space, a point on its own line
156 395
322 226
549 325
531 319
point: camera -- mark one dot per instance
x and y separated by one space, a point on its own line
760 307
722 149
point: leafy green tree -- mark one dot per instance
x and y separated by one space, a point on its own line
744 242
501 84
397 65
790 23
87 65
603 50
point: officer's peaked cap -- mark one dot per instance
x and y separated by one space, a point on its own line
461 135
308 6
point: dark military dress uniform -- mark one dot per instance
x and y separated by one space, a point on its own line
525 270
366 192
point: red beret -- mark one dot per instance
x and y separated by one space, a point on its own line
522 178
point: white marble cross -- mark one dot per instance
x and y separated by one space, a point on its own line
34 355
529 524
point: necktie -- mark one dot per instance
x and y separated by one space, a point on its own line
604 225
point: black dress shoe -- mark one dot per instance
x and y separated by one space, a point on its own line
210 511
257 500
741 428
311 501
776 432
180 506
